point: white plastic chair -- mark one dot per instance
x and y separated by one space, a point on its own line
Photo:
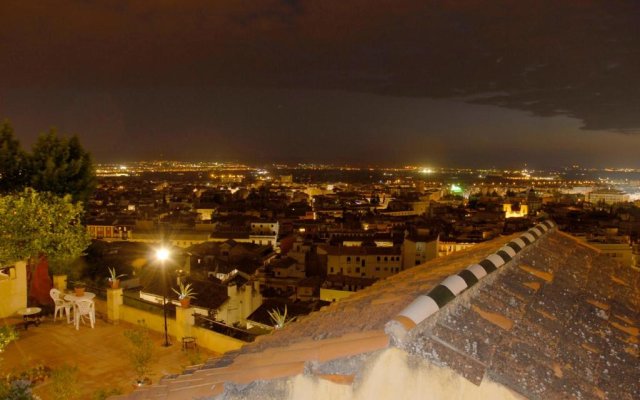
82 308
60 304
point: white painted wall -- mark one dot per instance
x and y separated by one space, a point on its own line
13 291
392 376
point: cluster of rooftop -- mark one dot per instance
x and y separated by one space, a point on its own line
250 245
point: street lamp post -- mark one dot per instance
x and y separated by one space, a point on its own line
162 254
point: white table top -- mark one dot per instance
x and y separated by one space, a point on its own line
29 311
73 297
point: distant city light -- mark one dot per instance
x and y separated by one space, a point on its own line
455 188
426 171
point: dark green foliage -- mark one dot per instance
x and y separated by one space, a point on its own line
13 163
57 165
61 166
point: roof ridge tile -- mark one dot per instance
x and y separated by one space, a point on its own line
423 306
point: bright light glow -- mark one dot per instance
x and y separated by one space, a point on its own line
426 171
455 188
162 254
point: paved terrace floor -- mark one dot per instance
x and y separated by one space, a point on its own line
99 353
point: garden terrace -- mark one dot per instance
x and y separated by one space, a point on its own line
101 354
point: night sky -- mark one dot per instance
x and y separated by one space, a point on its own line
389 82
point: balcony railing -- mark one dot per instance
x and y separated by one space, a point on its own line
133 300
223 329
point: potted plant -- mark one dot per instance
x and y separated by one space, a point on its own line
280 319
63 270
114 278
78 287
185 294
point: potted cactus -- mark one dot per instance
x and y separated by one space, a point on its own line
114 278
185 294
280 319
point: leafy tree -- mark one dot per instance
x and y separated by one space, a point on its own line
13 163
61 166
33 223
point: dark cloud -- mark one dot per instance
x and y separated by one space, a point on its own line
552 58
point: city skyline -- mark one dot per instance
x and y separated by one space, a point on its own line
424 83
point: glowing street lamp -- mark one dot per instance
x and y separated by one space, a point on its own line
162 254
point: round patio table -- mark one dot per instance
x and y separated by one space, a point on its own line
72 297
30 316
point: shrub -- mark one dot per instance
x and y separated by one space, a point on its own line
104 394
141 349
64 383
7 335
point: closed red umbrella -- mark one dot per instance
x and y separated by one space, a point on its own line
40 284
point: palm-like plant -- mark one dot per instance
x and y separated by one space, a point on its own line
113 275
184 291
280 319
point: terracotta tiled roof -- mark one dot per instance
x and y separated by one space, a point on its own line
558 320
